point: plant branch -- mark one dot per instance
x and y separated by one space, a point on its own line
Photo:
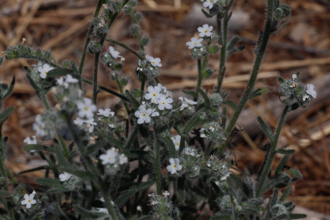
126 47
200 78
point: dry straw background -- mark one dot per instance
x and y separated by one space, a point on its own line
303 46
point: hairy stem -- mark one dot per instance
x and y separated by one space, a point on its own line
95 85
200 78
223 51
88 39
158 165
256 67
269 163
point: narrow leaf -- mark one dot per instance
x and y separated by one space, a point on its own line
35 169
281 165
206 99
5 114
10 89
38 147
51 183
266 129
241 185
79 173
4 194
132 100
59 72
89 214
283 151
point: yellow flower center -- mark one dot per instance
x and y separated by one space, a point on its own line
29 200
174 165
86 108
144 114
154 95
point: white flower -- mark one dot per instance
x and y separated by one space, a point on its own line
189 151
143 114
90 124
64 176
103 210
70 79
154 113
294 77
109 157
60 81
186 102
206 30
224 177
27 140
138 208
166 193
122 159
86 108
28 200
305 97
44 69
79 121
194 43
209 3
176 141
174 166
106 112
154 61
114 54
39 126
153 94
202 135
164 102
154 203
310 90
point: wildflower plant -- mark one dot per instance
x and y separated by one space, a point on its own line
179 151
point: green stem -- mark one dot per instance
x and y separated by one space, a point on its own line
221 72
95 85
256 67
121 91
158 165
269 163
88 39
142 88
200 78
44 99
126 47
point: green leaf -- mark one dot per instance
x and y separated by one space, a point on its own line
217 189
285 194
297 216
131 192
241 185
60 156
274 198
296 173
266 129
232 43
1 60
59 213
131 137
51 183
169 145
59 72
214 49
89 214
132 100
10 89
4 194
5 114
196 190
35 169
207 73
189 92
206 99
115 141
33 84
79 173
259 92
236 49
138 154
281 165
231 104
195 121
38 147
283 151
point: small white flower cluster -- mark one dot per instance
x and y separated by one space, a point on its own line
107 116
210 3
310 92
156 62
28 140
157 97
86 110
204 31
112 157
176 141
186 103
174 166
161 205
65 176
64 81
212 131
115 54
43 69
219 167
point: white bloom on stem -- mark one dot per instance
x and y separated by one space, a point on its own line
28 200
164 102
174 166
143 114
44 69
153 94
106 112
70 79
166 193
202 135
39 126
294 77
79 121
305 97
176 141
209 3
224 177
189 151
64 176
27 140
156 62
90 124
109 157
154 113
194 43
60 81
114 53
123 159
86 108
186 102
206 30
310 90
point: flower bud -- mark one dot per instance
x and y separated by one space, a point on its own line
215 100
94 47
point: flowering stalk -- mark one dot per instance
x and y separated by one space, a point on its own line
256 67
157 165
126 47
88 38
200 78
269 163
